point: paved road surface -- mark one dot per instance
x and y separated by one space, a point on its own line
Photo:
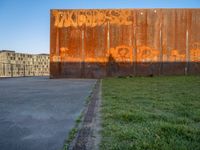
37 113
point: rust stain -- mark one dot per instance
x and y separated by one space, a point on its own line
98 43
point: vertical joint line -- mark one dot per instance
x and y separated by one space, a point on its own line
187 46
135 49
108 36
57 43
187 52
83 54
161 51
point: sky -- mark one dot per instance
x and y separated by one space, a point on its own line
25 24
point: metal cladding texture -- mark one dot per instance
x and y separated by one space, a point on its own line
121 42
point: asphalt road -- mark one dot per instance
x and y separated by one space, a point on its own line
38 113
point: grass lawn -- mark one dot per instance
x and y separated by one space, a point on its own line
159 113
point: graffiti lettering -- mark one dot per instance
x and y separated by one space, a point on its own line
176 56
121 53
195 52
147 54
124 53
91 18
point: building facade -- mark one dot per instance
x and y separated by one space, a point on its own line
14 64
95 43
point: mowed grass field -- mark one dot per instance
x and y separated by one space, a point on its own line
151 113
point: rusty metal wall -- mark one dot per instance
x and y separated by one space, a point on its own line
119 42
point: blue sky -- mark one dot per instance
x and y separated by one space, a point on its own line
24 24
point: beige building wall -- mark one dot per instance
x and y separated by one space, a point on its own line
19 64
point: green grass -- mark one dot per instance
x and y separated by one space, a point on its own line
71 136
143 113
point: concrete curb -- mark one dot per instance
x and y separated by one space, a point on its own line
88 137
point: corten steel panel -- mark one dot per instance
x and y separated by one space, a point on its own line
118 42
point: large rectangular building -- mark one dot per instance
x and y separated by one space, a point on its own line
14 64
96 43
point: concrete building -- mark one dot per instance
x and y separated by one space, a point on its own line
14 64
